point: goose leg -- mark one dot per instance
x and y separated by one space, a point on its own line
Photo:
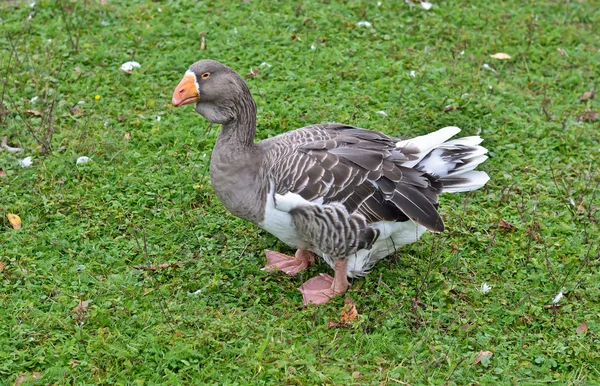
320 289
290 265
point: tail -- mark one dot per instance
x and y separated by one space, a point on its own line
453 161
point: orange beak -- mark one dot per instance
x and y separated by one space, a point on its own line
185 92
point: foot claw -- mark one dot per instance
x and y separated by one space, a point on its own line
290 265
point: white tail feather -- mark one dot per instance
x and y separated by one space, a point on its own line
471 180
453 161
428 142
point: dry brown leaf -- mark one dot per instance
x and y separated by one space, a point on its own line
482 355
3 173
587 95
34 112
582 328
121 118
580 208
15 221
80 310
127 136
357 375
75 110
26 377
501 56
589 116
348 312
506 225
2 266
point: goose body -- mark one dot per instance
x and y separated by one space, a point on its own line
349 195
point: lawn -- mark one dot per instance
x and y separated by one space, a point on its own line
128 270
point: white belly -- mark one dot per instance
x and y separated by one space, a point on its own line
392 235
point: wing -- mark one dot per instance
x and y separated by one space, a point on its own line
360 169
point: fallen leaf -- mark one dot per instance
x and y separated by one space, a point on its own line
582 328
450 108
26 377
121 118
580 208
2 266
501 56
587 95
80 310
348 312
253 72
34 112
3 173
127 136
75 110
483 355
74 362
589 116
562 52
506 225
15 221
357 375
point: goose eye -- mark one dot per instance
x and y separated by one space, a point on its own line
205 75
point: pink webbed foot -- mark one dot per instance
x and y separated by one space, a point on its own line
290 265
320 289
317 290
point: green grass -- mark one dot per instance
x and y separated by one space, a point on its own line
216 318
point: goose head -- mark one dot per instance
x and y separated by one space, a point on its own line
218 92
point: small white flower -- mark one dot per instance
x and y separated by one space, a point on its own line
264 64
25 162
487 67
83 160
104 23
412 74
363 24
557 297
159 10
462 52
34 99
129 66
235 30
32 4
381 112
379 3
158 118
426 5
312 47
484 288
105 123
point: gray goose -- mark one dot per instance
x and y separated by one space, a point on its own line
349 195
